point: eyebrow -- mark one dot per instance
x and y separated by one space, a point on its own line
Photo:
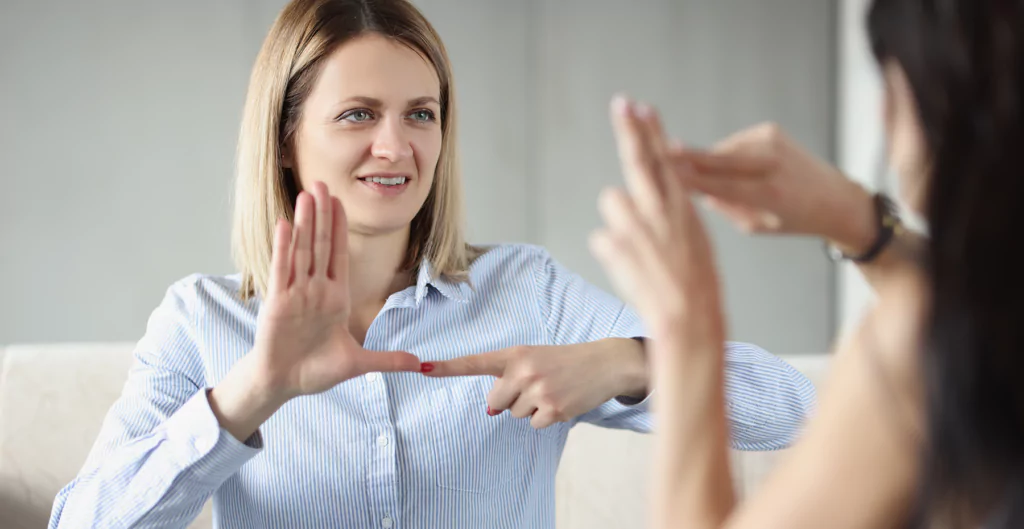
374 102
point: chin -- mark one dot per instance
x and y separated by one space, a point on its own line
377 225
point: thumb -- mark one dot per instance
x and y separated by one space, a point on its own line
388 361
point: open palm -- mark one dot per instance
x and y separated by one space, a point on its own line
303 331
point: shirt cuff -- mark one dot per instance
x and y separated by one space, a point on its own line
629 403
204 449
632 402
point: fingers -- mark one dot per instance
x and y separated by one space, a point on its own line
620 212
727 163
653 136
502 395
618 261
388 362
491 363
302 239
630 238
745 218
639 165
543 419
733 190
675 200
748 203
322 226
338 266
676 193
523 407
280 265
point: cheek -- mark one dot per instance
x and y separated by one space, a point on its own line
330 156
427 149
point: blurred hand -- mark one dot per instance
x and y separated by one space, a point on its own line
554 383
303 344
654 246
764 182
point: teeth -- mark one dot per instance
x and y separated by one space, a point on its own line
394 181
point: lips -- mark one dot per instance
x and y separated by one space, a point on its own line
386 184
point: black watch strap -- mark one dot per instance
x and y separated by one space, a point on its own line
889 226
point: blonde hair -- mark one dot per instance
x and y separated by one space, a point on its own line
286 69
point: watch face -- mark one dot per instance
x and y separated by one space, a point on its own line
889 224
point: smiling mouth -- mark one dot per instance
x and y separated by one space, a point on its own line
391 181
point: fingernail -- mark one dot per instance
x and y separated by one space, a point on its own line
426 368
643 110
491 412
621 104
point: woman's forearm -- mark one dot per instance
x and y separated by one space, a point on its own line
693 477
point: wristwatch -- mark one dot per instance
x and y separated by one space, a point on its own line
889 226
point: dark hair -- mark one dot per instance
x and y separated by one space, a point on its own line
963 61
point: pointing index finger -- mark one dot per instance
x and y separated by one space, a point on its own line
490 363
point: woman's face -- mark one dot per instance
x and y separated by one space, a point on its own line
371 131
906 144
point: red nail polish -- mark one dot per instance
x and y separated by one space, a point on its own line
489 412
426 368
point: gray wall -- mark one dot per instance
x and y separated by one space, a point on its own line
120 116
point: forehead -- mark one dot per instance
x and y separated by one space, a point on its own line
375 66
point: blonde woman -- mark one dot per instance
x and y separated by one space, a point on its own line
313 389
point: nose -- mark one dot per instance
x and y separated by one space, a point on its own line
391 142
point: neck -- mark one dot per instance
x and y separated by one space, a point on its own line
374 262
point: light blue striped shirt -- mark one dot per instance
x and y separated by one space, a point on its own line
396 450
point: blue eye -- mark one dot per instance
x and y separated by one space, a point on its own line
357 115
423 115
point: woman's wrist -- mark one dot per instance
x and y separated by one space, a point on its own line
633 375
245 399
687 340
854 225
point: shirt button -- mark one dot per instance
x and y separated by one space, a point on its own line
382 441
372 377
387 522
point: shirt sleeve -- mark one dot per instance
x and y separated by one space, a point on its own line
576 311
767 400
161 452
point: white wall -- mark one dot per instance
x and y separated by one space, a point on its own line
860 146
116 137
120 118
712 68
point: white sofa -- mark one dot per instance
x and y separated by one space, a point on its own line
53 399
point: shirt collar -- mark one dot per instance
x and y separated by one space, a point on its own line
453 290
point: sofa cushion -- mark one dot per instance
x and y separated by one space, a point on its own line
53 399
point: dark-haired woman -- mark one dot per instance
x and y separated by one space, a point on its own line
922 421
